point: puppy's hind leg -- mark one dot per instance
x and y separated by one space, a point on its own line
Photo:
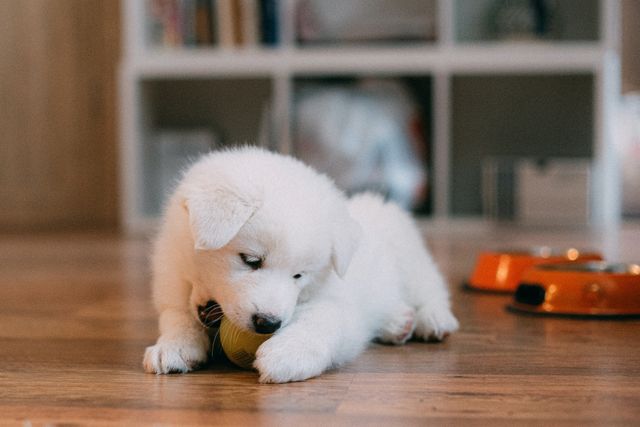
434 324
426 291
399 325
421 284
434 319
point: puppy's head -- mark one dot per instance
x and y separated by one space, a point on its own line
264 228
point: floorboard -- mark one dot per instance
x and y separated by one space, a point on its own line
75 317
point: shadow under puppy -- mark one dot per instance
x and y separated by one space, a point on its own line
282 250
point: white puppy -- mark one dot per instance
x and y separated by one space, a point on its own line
281 249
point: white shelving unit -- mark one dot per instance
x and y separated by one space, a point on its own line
148 73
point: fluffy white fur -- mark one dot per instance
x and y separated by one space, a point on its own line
365 271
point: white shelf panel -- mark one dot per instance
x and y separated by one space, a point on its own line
207 63
525 57
492 57
366 59
470 58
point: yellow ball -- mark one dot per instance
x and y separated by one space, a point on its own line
240 345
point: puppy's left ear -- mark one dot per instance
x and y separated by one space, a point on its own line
346 238
217 216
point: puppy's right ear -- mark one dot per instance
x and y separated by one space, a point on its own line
346 239
216 216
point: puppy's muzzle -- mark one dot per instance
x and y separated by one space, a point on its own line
210 314
265 324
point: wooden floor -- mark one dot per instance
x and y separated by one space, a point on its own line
75 318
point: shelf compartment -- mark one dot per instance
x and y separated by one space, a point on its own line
515 115
365 22
493 20
236 111
359 117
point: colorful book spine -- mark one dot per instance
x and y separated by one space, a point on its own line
204 23
269 22
172 35
187 15
222 23
225 23
250 24
237 20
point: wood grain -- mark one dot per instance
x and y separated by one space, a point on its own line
58 131
75 318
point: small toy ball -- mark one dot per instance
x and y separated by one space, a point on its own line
240 345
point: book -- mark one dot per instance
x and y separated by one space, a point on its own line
224 18
172 32
237 18
204 28
269 22
265 129
249 22
187 13
155 22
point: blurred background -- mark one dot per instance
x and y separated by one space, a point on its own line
526 111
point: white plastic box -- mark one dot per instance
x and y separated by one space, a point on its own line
533 191
554 192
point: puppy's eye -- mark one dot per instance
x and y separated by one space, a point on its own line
254 262
297 276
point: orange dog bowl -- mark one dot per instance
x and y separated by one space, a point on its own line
501 271
588 289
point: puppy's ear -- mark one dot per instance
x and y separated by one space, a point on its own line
346 239
217 215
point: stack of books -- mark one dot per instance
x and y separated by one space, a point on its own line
221 23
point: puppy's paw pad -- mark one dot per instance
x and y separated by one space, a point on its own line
400 329
284 360
175 355
435 324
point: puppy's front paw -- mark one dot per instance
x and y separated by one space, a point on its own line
434 324
176 353
284 359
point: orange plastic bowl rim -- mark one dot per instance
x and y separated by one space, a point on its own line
501 271
591 289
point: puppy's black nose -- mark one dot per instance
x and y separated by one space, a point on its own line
265 324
